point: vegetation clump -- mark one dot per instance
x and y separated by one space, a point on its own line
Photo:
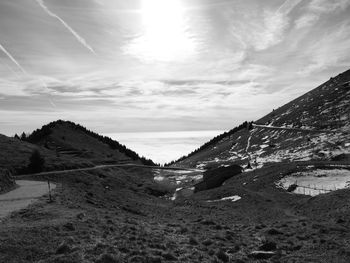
36 162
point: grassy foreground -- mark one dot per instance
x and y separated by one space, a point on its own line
114 215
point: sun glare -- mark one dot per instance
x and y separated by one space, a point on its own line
165 36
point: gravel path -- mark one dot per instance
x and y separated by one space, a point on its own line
22 196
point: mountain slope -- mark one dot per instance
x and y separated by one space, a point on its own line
15 154
314 126
70 139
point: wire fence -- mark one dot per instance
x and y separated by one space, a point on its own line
313 190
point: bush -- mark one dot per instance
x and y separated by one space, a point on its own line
36 162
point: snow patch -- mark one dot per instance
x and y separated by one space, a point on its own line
317 181
233 198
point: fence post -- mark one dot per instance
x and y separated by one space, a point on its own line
48 183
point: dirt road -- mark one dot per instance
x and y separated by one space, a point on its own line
25 194
98 167
291 129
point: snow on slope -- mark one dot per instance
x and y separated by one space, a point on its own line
317 128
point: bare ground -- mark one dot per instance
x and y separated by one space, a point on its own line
24 194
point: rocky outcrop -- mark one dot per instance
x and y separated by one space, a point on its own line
6 180
216 177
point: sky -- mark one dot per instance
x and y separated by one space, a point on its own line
163 65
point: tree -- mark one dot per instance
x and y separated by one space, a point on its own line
23 136
16 136
36 162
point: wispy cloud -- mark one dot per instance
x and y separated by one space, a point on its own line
306 20
247 56
322 54
266 27
275 24
68 27
316 8
12 58
328 6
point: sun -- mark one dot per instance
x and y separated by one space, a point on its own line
165 32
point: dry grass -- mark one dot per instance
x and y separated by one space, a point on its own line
109 216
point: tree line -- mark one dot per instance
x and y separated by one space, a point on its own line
244 125
37 135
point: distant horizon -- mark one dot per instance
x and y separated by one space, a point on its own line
160 146
164 147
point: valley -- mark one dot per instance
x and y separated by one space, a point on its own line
272 190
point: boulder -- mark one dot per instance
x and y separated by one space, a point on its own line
216 177
262 254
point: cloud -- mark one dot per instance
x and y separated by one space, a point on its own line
69 28
275 24
317 8
328 6
12 58
306 20
265 30
246 60
330 50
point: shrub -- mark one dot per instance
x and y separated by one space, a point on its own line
36 162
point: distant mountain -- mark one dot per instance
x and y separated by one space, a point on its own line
66 138
315 126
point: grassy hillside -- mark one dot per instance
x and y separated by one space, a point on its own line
70 139
15 155
111 215
326 108
6 181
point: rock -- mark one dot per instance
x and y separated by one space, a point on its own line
108 258
222 256
292 188
63 248
66 246
156 191
81 216
340 157
69 226
274 231
340 221
216 177
268 246
218 227
345 251
183 230
169 256
208 223
207 242
193 241
297 247
261 254
137 259
234 249
154 260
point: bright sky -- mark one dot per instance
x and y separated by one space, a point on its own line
163 65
